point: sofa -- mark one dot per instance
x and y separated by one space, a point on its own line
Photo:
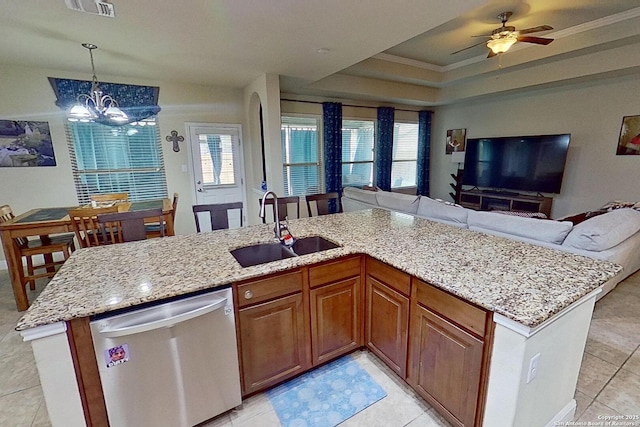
613 235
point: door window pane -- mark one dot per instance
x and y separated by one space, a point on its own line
216 157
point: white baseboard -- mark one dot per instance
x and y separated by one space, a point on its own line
565 415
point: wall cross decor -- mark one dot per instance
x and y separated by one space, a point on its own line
175 138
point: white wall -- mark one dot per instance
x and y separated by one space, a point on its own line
591 112
25 94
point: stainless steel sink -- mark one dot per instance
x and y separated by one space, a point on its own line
267 252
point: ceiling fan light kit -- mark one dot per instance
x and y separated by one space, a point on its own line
501 39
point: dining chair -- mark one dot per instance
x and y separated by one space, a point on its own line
218 213
43 245
110 197
283 207
129 226
153 229
84 222
322 202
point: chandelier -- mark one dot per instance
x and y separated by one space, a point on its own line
96 106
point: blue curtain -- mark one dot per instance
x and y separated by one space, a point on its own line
384 148
215 151
332 128
424 147
137 102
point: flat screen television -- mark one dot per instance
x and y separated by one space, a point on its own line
522 163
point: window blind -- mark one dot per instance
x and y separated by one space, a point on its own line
405 155
107 159
357 152
300 156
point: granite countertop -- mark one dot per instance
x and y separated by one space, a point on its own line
523 282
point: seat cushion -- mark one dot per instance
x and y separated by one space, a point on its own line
430 208
604 231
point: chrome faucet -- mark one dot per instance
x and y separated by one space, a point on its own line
278 228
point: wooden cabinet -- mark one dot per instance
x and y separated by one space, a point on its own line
487 201
336 309
272 330
447 353
387 314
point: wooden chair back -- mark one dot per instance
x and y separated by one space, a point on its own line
129 226
43 245
218 213
84 222
322 202
110 197
283 207
174 206
6 214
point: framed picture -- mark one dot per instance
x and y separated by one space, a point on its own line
629 140
455 140
25 143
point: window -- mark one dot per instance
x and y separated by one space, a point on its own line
107 159
357 152
300 156
405 155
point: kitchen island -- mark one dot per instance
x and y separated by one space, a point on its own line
541 299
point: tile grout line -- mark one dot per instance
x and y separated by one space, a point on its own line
612 377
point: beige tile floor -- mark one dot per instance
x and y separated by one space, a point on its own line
609 382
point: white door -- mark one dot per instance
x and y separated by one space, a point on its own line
217 167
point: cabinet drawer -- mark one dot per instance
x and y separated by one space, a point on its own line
464 314
395 279
268 288
334 271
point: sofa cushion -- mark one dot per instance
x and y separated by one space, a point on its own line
430 208
360 195
531 228
397 201
604 231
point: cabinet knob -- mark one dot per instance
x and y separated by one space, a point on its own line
248 294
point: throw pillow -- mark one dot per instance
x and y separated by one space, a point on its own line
604 231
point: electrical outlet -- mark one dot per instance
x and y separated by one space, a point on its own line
533 368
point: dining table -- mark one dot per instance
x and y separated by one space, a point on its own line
55 220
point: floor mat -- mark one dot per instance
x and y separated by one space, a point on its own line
326 396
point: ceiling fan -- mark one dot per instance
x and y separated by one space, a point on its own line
501 39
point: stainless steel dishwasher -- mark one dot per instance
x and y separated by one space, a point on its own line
171 364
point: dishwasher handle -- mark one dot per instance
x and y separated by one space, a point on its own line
156 318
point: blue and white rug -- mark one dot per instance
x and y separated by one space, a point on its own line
326 396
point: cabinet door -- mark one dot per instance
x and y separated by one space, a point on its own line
273 345
445 365
335 319
387 325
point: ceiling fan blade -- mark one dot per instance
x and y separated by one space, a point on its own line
491 54
468 47
536 40
535 29
486 35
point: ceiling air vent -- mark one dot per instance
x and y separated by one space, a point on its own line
94 7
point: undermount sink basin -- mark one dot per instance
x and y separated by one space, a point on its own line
267 252
309 245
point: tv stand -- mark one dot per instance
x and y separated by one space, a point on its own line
501 193
487 200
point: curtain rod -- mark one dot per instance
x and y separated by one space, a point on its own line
351 105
